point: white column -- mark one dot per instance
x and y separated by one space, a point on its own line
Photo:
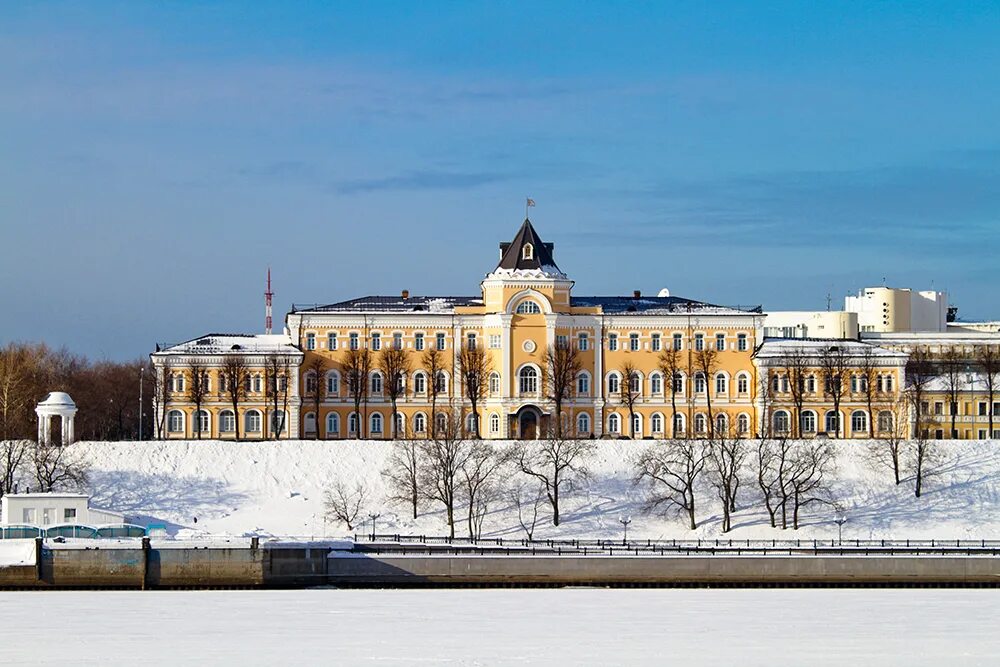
48 429
68 428
41 428
506 341
598 383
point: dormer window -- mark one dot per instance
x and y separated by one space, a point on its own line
527 308
527 251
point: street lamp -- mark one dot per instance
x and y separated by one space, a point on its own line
373 517
840 519
142 370
625 521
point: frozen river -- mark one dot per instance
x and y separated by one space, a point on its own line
503 626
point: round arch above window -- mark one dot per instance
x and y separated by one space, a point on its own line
528 307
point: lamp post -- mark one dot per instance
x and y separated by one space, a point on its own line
625 521
373 517
840 519
142 370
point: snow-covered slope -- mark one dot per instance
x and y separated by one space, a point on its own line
271 488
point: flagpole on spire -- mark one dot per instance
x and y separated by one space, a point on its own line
528 202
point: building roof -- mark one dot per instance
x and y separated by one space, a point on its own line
230 343
392 304
655 305
512 255
58 399
773 348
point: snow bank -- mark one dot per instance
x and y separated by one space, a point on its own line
17 552
276 488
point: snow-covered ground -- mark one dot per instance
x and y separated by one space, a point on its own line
276 488
821 627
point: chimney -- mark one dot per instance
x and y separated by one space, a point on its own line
636 294
406 294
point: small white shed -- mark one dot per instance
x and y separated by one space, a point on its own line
50 509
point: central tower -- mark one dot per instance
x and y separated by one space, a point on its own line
526 267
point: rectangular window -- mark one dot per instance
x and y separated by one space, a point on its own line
470 341
376 341
982 409
939 408
331 340
612 342
418 341
741 342
655 343
720 342
582 342
28 515
397 341
678 342
440 341
699 342
69 514
310 341
562 342
633 342
354 341
494 341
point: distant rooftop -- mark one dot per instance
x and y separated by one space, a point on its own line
218 343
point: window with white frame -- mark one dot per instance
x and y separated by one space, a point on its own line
310 382
700 423
722 423
227 421
633 342
721 388
859 421
376 383
278 422
440 341
494 384
808 422
202 422
583 423
376 341
470 423
175 421
441 382
614 383
582 342
678 424
418 341
634 383
614 424
470 341
419 383
885 422
397 341
527 307
332 424
678 341
612 342
780 420
654 342
656 384
420 422
353 341
310 341
331 340
699 342
677 386
494 423
720 342
441 423
528 380
741 342
495 341
656 423
636 425
399 430
743 424
376 424
742 383
178 382
527 251
583 384
832 422
251 422
699 383
332 383
562 342
352 423
257 383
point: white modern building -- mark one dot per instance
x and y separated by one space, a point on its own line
890 309
55 508
811 324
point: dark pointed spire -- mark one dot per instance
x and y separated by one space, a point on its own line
527 251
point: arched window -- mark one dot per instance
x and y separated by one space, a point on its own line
832 422
227 422
494 383
309 422
677 386
310 382
400 429
175 421
251 422
470 423
637 425
375 422
885 422
742 383
441 423
419 383
656 384
332 383
635 383
583 384
614 424
277 423
528 380
743 424
494 423
700 423
376 386
420 422
583 423
808 420
656 423
720 384
721 424
202 422
780 421
527 307
527 251
859 421
352 423
332 424
678 424
614 383
699 383
441 382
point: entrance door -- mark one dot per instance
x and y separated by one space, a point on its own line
529 425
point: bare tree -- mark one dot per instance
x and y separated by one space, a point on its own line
198 391
236 374
433 361
564 364
357 365
670 472
988 360
669 363
316 367
162 386
797 365
58 468
482 466
403 473
726 457
920 373
952 366
706 362
276 376
475 366
772 467
887 451
12 455
442 461
834 366
344 503
527 498
557 464
394 364
813 462
868 370
20 387
628 392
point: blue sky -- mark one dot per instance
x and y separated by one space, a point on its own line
157 157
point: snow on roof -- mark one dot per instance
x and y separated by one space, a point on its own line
392 304
655 305
58 398
778 347
216 343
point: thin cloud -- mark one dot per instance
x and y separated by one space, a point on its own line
420 180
